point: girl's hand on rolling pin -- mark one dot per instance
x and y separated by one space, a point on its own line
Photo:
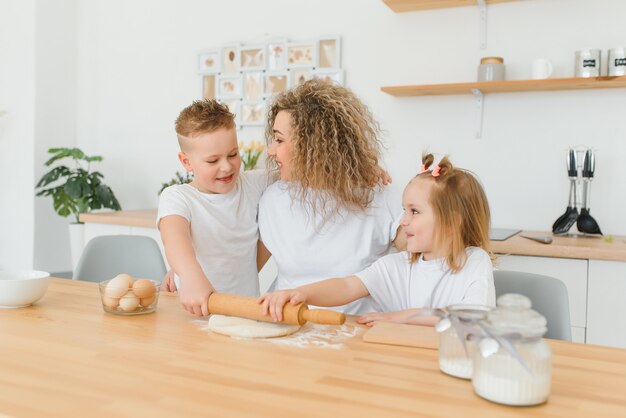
274 302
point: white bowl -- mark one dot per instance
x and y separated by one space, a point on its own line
19 288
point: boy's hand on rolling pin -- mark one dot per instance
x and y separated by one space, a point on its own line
168 284
273 303
194 296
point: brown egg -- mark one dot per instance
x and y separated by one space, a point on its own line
144 288
119 285
110 302
147 301
129 302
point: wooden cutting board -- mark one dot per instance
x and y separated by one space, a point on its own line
402 334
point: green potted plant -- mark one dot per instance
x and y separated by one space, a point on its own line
75 189
80 190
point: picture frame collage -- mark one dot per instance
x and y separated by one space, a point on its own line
246 77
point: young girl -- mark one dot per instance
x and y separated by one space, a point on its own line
446 223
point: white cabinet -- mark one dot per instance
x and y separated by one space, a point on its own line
606 323
572 272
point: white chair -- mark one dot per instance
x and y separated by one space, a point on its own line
105 257
547 294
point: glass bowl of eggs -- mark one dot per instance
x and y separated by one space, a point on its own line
126 295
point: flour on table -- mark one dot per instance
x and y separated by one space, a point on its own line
248 328
320 336
308 336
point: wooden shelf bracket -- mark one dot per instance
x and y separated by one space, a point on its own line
480 107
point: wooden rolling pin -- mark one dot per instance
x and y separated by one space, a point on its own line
247 307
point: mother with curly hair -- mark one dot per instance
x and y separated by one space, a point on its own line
326 216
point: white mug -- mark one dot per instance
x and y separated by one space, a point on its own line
542 68
587 63
617 61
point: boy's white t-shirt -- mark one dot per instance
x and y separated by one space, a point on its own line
307 250
395 284
224 230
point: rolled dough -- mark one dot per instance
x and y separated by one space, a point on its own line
249 328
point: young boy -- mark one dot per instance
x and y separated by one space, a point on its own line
209 227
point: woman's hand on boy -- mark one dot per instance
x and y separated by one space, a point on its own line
273 303
383 176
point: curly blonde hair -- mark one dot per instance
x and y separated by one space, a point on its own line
335 146
461 209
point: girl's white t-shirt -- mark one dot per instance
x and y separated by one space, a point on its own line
307 250
224 230
396 284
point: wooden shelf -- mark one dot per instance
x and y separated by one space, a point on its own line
507 86
400 6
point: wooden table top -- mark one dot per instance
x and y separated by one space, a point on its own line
65 356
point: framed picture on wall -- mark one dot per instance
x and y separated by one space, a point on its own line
253 86
208 87
298 76
252 58
253 113
275 83
329 52
229 87
230 59
301 55
276 56
234 106
329 75
209 61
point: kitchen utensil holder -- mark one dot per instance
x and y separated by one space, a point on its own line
580 154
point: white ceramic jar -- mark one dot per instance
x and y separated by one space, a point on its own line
491 69
513 365
454 359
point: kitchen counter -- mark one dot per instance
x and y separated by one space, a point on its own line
65 356
569 246
573 246
141 218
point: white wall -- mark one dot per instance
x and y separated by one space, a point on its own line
55 119
136 70
17 72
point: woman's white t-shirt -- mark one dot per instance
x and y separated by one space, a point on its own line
396 284
224 230
307 250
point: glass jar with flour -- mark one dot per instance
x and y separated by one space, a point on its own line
455 343
512 363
